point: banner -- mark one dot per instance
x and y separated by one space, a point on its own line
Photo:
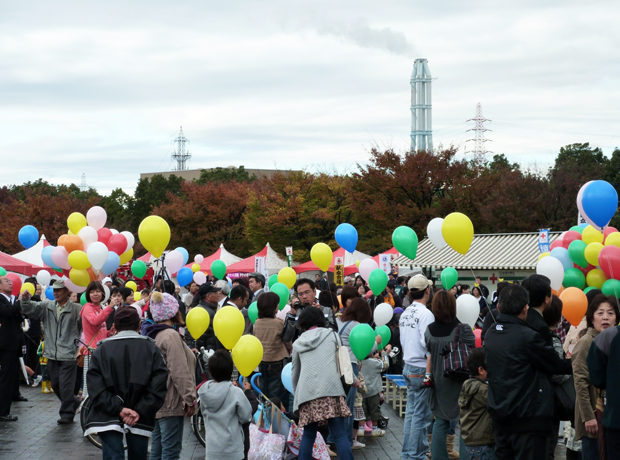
260 266
543 240
384 263
339 271
289 255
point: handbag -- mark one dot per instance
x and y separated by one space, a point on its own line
319 450
564 396
83 351
343 361
455 361
265 445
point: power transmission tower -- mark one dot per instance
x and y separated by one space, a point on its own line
181 152
83 186
479 147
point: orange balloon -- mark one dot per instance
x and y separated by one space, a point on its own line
73 243
61 240
91 273
574 305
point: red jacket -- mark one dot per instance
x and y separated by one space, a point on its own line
93 323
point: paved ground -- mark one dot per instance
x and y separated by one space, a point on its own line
37 436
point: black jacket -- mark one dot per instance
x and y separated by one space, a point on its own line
127 370
536 321
11 333
518 362
290 331
208 340
489 320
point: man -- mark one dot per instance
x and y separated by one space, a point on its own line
391 289
538 288
239 297
256 281
317 280
193 289
348 281
222 295
62 324
127 383
10 348
520 397
33 337
208 295
412 326
483 289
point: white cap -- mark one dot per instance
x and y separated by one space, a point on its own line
107 279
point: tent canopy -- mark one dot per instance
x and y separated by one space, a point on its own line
273 262
353 268
221 254
10 263
349 261
33 254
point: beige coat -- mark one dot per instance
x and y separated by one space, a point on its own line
586 393
572 337
181 373
269 332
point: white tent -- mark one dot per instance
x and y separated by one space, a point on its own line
33 255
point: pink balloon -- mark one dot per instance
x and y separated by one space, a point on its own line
174 261
96 217
478 335
569 237
366 267
282 313
201 278
609 261
60 257
73 287
199 258
558 243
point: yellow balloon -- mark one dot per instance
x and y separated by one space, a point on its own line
613 239
321 255
591 235
357 263
69 232
79 260
591 253
195 267
137 296
197 322
126 256
27 287
131 285
247 354
596 278
79 277
288 277
229 325
76 222
458 231
543 255
154 234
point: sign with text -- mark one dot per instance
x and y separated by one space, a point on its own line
260 266
384 263
339 271
289 255
543 240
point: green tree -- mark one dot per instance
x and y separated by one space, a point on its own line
150 194
224 175
118 206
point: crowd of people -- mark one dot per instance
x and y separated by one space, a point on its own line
533 381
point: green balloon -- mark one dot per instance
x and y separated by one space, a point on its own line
253 312
405 241
138 268
573 277
2 271
377 281
83 299
218 268
283 293
576 228
273 279
588 289
385 333
611 287
449 277
361 340
576 253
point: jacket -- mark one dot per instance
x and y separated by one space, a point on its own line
373 368
315 370
269 332
60 333
536 321
127 370
585 403
290 331
520 397
603 363
10 325
489 320
412 324
225 408
208 340
93 323
476 422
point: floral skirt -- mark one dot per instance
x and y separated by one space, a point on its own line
322 409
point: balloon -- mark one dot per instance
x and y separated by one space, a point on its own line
117 243
197 322
287 379
599 202
449 277
112 263
46 255
198 258
17 283
433 230
580 205
185 276
97 254
405 241
83 299
27 287
79 277
76 221
576 252
346 237
137 296
49 293
247 354
131 240
174 261
60 257
283 293
569 237
592 251
229 325
253 312
138 269
28 236
608 231
61 240
544 254
458 231
574 305
79 260
2 271
357 263
553 269
611 288
573 277
131 285
467 309
613 239
362 340
378 281
321 255
44 277
273 279
609 261
154 234
386 335
218 268
200 278
73 243
561 254
74 287
88 235
287 276
114 231
195 268
596 278
282 313
576 228
185 254
478 335
96 217
126 256
558 243
383 314
366 268
104 235
592 235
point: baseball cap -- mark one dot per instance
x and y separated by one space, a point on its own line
347 279
205 288
59 284
419 283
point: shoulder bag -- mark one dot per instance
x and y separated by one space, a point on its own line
343 360
455 361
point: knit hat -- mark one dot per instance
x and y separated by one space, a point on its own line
163 306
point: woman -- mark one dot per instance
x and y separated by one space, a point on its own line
445 392
362 290
268 329
94 315
477 293
73 297
601 314
346 297
319 396
329 299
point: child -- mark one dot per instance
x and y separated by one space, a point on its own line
476 426
359 418
373 366
225 409
46 386
247 390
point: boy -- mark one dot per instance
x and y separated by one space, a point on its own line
225 409
476 426
373 366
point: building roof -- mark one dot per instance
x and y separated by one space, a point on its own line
499 251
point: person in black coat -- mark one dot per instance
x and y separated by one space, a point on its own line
539 290
11 336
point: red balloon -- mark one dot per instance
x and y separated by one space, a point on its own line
557 244
607 232
117 243
17 283
609 261
569 237
586 270
103 235
478 335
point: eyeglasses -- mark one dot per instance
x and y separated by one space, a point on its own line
304 293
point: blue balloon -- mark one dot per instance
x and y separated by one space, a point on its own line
600 202
185 276
562 255
49 293
346 237
584 225
46 255
111 264
287 379
185 254
28 236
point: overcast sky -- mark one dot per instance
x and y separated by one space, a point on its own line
102 87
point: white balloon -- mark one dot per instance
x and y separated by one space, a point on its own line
97 255
198 258
174 261
131 240
88 235
467 309
366 267
433 230
107 293
44 277
114 231
200 278
552 269
383 314
96 217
